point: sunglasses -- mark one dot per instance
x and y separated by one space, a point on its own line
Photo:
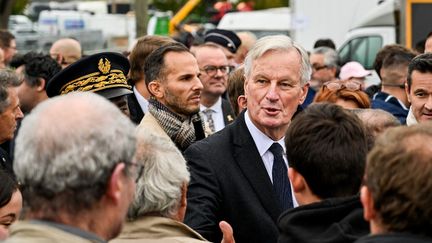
338 85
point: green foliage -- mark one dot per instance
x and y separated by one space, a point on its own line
19 6
263 4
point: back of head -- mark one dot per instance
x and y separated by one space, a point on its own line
66 150
421 63
394 49
358 97
325 42
235 88
144 46
69 49
398 175
5 38
165 175
278 43
327 146
377 120
39 66
394 66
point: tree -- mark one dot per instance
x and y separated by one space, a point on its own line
5 10
141 17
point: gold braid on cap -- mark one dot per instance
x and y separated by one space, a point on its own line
97 81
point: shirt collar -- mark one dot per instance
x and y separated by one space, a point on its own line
216 108
141 100
262 141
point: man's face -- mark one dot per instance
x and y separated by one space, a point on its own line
211 62
10 51
122 103
273 91
428 45
420 96
320 72
181 87
2 62
9 117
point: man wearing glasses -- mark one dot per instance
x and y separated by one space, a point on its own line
324 61
8 45
214 71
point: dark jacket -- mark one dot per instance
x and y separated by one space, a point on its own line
229 182
390 104
337 220
136 113
394 238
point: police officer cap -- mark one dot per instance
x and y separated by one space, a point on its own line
225 38
103 73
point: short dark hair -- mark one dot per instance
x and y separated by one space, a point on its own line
137 57
9 185
5 38
155 64
383 53
421 63
397 175
37 66
325 42
327 145
235 88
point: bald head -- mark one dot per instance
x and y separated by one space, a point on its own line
66 51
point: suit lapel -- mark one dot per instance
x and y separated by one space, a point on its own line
252 167
227 111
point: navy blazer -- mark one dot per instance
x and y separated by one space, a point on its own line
229 182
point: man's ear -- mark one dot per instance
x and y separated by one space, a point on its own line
115 184
407 92
297 180
241 102
368 205
41 86
156 89
304 91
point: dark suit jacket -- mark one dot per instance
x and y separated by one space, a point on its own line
136 113
228 112
229 182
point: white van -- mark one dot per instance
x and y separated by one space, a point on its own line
260 22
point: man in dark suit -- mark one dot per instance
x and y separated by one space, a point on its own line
214 71
240 173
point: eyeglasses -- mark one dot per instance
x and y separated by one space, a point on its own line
136 174
212 70
317 68
338 85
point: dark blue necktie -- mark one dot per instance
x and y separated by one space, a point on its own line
281 184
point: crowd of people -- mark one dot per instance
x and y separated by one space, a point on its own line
228 139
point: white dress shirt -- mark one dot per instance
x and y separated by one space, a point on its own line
217 114
263 143
141 100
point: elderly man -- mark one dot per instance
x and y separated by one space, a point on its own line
397 191
214 76
74 157
157 213
419 89
10 113
326 147
8 45
324 61
172 79
66 51
240 174
36 70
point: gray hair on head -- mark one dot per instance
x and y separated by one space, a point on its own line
331 58
66 150
159 190
278 42
8 79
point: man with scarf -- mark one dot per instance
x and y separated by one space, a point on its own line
171 76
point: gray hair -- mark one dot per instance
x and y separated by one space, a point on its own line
8 79
331 58
278 42
159 189
66 150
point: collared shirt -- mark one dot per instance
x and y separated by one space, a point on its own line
217 114
141 100
263 143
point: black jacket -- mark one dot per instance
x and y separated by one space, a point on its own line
335 220
395 238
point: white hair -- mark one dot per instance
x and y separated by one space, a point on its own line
278 42
66 149
159 190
